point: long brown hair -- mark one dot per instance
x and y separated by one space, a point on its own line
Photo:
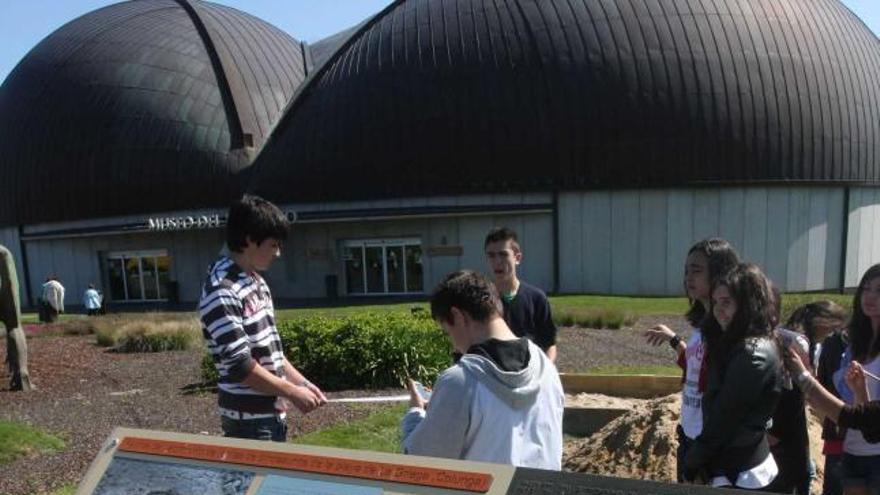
756 314
807 318
861 333
722 258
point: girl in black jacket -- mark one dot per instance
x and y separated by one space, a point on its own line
743 386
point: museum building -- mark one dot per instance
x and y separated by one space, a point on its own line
611 135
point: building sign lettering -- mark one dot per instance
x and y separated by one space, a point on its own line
184 223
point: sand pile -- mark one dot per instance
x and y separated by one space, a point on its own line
641 444
600 401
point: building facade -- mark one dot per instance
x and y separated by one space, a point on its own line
611 135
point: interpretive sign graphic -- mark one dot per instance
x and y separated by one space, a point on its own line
133 477
283 485
336 466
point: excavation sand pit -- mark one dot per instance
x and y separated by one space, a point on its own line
641 443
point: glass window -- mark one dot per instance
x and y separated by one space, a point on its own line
375 270
394 267
148 274
116 274
139 276
354 269
414 268
163 268
133 278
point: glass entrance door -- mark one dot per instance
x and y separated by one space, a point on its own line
392 266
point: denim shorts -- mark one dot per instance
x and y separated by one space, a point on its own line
858 470
274 428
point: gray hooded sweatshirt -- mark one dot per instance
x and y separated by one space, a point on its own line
480 412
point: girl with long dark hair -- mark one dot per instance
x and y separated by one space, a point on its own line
743 384
705 263
860 467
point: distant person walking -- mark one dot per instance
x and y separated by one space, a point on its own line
92 300
53 299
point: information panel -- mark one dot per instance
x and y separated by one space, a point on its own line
142 461
135 462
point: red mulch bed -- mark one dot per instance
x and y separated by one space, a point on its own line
78 398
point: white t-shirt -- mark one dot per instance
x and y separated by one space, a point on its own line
854 443
691 397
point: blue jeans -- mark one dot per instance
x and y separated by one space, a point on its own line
274 429
684 444
831 484
857 470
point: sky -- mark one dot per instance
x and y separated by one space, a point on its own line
23 23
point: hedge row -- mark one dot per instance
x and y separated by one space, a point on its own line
372 350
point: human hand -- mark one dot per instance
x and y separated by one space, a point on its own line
794 360
415 399
322 399
658 335
303 399
855 380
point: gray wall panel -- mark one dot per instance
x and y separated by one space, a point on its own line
678 240
798 239
624 239
863 249
596 241
775 262
651 242
754 242
570 220
792 233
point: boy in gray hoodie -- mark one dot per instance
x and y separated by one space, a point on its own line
502 402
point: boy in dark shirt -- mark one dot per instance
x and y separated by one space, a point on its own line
526 308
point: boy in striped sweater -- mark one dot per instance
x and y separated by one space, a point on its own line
238 322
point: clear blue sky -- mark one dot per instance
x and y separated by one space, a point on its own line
23 23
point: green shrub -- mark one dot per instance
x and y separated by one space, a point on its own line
371 350
610 318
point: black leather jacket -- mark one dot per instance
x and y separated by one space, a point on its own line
740 398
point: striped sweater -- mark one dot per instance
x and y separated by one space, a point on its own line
238 323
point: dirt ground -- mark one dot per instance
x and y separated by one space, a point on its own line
84 391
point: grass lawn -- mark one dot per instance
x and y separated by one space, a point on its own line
64 490
379 432
638 306
18 440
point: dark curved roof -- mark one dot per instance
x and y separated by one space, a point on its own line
451 96
143 106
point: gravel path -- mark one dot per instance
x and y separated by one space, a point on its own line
582 349
84 391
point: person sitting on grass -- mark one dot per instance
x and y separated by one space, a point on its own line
502 402
238 323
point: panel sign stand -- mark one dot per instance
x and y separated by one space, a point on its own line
144 461
139 461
